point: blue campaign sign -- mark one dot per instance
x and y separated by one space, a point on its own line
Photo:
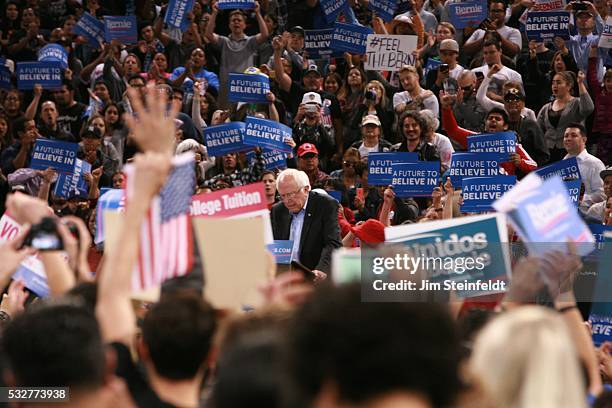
415 179
383 8
479 239
380 172
70 185
430 65
53 52
546 219
236 4
47 74
111 200
601 310
281 249
502 143
467 14
316 43
176 14
545 25
60 156
250 88
91 28
223 139
273 159
573 190
479 193
566 169
350 38
5 78
267 133
331 8
121 28
473 165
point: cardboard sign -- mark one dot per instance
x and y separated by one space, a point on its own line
467 14
331 9
317 43
573 190
350 38
281 249
467 250
239 202
566 169
121 28
251 88
91 28
415 179
389 52
267 133
31 271
176 13
70 185
223 139
48 74
384 9
547 25
479 193
60 156
5 78
272 159
601 310
380 172
53 53
465 165
605 40
544 216
236 4
502 143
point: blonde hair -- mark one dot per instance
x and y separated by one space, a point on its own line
525 358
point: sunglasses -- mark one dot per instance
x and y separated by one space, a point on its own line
510 99
349 164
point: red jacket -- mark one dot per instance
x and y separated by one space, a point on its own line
460 136
601 99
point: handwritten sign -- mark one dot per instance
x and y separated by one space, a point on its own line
389 52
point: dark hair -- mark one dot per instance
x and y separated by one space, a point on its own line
414 115
19 125
239 12
8 138
55 346
178 333
135 76
496 1
212 106
579 126
68 84
490 42
363 350
502 112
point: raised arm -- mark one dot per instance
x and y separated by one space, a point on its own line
209 34
481 96
284 80
30 113
263 28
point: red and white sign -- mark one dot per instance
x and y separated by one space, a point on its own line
238 202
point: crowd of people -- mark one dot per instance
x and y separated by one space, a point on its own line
312 343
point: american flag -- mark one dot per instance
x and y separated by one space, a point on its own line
166 241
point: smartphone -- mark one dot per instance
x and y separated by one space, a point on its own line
450 86
310 108
479 76
444 68
360 193
579 6
44 236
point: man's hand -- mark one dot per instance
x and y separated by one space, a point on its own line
494 70
319 276
151 170
153 128
12 256
277 44
38 89
581 77
446 100
48 175
14 300
27 210
389 195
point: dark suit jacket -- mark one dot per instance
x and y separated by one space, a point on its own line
320 232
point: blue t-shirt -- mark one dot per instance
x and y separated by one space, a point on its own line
209 79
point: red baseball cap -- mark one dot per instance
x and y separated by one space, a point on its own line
371 232
307 148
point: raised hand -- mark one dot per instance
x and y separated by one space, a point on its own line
13 301
153 128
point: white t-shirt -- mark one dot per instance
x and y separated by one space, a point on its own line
431 102
365 151
512 34
455 72
444 147
505 73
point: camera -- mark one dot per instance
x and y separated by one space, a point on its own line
579 6
450 86
310 108
44 236
370 95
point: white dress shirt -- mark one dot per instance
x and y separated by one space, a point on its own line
590 167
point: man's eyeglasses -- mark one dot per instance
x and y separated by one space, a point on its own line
349 164
289 196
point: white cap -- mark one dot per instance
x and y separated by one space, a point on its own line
312 97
